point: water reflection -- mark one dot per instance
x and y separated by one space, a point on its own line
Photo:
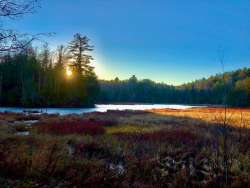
98 108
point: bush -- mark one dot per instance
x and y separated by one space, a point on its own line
75 127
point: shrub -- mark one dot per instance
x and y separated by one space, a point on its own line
73 127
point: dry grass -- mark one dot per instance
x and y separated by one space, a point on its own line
235 116
127 129
160 148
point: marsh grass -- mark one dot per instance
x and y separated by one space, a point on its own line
136 150
128 129
211 115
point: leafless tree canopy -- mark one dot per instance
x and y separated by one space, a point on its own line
14 8
9 39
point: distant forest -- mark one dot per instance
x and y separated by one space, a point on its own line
65 78
230 88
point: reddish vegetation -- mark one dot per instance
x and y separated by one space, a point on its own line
74 127
166 152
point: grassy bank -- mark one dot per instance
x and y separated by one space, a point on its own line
157 148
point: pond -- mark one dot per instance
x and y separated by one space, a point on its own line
97 108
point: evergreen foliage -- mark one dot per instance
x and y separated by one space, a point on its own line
205 91
32 79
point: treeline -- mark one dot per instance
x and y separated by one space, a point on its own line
63 78
231 88
134 90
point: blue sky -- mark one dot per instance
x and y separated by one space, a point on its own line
171 41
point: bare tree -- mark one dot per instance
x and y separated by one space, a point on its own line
10 9
11 41
225 121
61 51
15 8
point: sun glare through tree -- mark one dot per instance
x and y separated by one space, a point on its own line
124 94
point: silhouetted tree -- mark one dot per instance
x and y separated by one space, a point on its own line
78 49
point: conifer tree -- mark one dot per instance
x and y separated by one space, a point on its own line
78 52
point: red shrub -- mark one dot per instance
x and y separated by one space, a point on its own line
73 127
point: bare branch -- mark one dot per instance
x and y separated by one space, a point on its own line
11 41
15 8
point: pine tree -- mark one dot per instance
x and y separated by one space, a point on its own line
78 49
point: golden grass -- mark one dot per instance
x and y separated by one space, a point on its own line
235 116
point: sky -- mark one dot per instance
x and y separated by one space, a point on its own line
170 41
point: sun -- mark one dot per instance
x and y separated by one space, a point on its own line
68 72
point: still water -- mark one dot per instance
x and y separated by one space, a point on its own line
97 108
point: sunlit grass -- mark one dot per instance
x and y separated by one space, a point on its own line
235 117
